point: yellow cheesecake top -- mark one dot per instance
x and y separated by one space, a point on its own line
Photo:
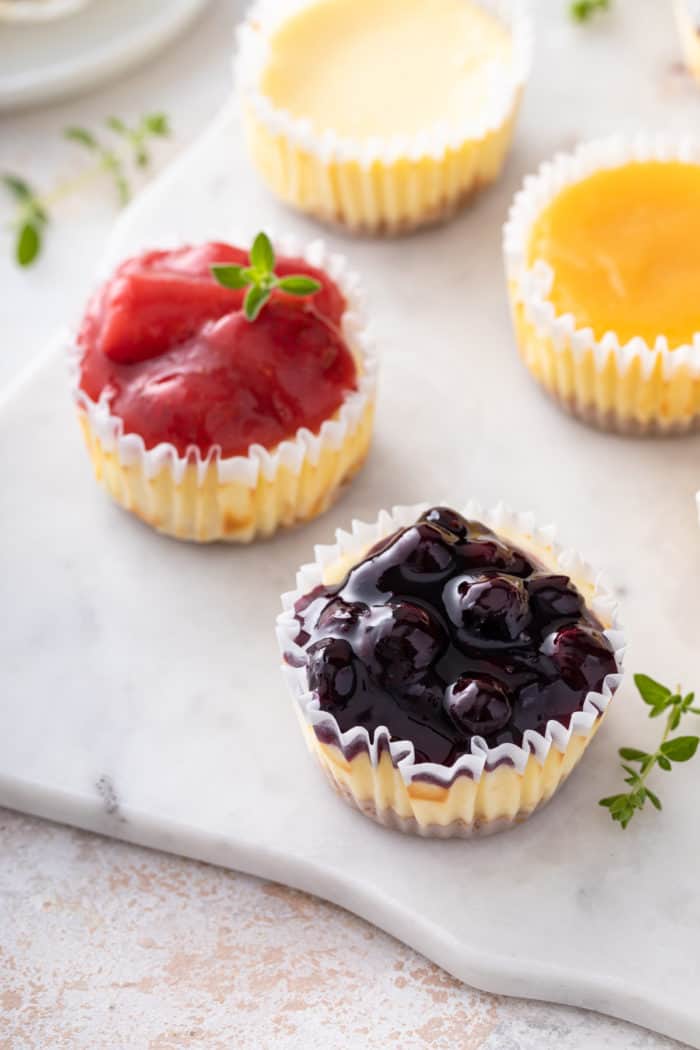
624 247
364 68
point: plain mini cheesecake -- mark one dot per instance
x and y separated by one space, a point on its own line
210 424
448 676
381 115
602 255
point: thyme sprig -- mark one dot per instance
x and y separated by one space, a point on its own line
584 10
32 208
674 705
260 278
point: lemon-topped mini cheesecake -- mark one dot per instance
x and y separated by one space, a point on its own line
381 114
603 257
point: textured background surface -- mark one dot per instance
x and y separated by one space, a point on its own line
107 945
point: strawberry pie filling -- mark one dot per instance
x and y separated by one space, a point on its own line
174 357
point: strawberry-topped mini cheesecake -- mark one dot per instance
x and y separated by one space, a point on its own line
225 393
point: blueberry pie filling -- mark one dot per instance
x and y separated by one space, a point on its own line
445 631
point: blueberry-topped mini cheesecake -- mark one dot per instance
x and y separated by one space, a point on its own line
449 676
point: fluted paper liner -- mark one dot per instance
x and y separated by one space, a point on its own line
483 791
238 498
633 387
382 185
688 22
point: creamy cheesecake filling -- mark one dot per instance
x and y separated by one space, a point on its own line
366 68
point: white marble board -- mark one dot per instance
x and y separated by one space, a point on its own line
141 695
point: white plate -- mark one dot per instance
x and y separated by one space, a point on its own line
140 691
38 10
43 60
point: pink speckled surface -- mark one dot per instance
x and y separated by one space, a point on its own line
107 945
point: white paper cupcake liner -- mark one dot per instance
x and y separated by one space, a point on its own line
688 22
521 529
260 461
560 334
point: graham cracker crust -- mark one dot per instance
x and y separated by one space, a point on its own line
611 423
389 818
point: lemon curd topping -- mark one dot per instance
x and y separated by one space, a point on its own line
624 248
365 68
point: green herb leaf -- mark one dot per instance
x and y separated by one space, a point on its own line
28 244
583 10
676 749
123 189
20 189
82 136
674 719
651 692
231 276
631 754
613 802
38 212
116 125
32 216
681 749
299 284
260 278
256 297
156 124
262 255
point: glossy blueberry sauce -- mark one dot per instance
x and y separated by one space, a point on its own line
443 632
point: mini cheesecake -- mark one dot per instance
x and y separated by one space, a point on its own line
209 425
603 261
449 670
381 115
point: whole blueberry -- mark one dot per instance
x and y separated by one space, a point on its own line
420 555
430 557
493 606
581 654
554 597
342 616
484 551
330 671
407 641
452 524
477 706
